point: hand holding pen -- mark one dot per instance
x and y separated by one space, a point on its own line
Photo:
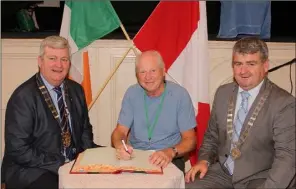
124 152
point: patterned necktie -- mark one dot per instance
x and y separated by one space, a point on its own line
241 115
237 127
65 128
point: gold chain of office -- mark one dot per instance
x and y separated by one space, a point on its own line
65 134
235 151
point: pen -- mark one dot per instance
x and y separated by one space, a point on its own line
125 146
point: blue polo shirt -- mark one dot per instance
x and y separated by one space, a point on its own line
177 115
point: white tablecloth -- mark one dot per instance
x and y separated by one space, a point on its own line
172 177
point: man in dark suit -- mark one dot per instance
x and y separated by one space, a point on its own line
250 140
46 122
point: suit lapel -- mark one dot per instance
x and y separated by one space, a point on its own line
234 97
265 85
46 98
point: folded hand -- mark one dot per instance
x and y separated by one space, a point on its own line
161 158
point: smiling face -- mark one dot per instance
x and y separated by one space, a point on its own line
150 73
249 69
54 65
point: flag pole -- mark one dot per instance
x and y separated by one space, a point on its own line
127 37
109 77
116 67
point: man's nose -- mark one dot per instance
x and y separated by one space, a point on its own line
244 69
59 63
148 75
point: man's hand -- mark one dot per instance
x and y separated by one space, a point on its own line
121 153
162 158
201 166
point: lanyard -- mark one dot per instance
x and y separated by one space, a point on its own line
159 108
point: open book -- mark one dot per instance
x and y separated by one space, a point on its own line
104 160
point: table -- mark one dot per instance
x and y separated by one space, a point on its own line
172 177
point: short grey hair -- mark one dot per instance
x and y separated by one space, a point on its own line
151 53
55 42
251 45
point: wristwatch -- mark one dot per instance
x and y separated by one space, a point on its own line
175 151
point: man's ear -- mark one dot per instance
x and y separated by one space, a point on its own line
266 65
39 61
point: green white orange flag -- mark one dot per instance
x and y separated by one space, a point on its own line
84 22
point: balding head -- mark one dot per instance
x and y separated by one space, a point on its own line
152 54
150 72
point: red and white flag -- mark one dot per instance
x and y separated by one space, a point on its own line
178 31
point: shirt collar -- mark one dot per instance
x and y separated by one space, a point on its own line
253 92
48 85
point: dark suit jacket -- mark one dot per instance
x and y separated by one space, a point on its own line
269 150
32 135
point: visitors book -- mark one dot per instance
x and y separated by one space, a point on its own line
103 160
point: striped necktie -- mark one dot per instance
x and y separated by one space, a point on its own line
64 122
237 127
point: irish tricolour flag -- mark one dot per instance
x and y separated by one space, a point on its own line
178 30
83 23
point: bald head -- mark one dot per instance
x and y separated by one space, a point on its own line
150 72
151 55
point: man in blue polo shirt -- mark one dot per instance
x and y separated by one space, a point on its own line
157 114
